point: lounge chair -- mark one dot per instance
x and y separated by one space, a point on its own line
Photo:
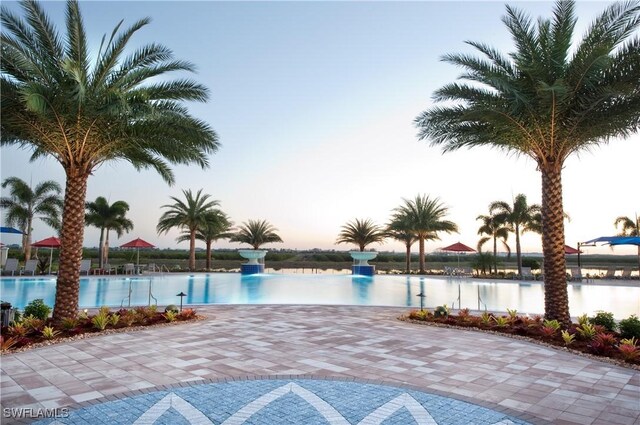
11 266
576 274
30 267
526 274
129 268
610 274
626 274
85 267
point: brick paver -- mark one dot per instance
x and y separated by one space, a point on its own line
362 343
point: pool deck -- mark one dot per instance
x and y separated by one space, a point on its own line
364 344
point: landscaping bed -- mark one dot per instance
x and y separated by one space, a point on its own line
34 328
599 336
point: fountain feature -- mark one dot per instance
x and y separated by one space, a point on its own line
253 266
362 267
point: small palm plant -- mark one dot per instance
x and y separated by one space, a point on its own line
361 233
256 233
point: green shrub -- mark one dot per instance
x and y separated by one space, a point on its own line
630 327
531 262
171 307
38 309
605 319
441 311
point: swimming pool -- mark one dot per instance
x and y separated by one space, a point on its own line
381 290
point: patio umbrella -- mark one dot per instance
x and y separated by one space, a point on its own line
458 248
617 240
10 230
569 250
137 244
50 243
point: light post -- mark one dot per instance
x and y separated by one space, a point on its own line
181 295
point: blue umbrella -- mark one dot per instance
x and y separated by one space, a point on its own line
10 230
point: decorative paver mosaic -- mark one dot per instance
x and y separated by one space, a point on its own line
280 402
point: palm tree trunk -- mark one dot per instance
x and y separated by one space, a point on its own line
208 266
192 251
27 244
105 249
495 255
72 236
101 248
556 298
518 251
421 246
408 259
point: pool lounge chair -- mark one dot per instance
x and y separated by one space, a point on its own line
576 274
129 268
30 267
11 266
626 274
526 274
85 267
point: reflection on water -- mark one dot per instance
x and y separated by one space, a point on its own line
232 288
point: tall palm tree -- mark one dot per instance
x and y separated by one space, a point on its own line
216 225
425 217
107 217
629 227
188 215
519 218
256 233
547 99
86 108
25 204
362 233
494 229
400 229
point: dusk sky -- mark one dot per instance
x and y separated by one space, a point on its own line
314 105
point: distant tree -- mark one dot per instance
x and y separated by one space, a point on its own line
256 233
400 229
554 95
519 218
107 217
425 217
495 229
86 108
629 227
188 215
25 204
361 233
216 225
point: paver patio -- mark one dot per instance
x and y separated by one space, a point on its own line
365 344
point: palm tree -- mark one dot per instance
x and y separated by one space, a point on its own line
256 233
494 229
547 100
629 227
107 217
188 216
362 233
519 218
425 217
25 204
85 109
216 225
400 229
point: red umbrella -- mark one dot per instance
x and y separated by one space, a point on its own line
458 248
570 250
50 243
137 243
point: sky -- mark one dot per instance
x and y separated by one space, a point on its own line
314 105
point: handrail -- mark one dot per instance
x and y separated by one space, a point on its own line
128 296
150 294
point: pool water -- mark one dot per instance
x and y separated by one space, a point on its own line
401 291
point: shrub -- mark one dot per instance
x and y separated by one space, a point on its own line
187 313
7 344
38 309
548 331
33 323
602 343
513 314
630 327
441 311
568 338
69 323
100 321
171 307
104 310
418 315
170 315
485 319
531 262
583 319
114 319
128 317
629 352
18 329
49 333
604 318
501 322
552 324
587 331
